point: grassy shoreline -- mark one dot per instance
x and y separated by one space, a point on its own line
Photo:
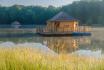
32 59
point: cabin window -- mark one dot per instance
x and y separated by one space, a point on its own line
57 24
76 24
66 25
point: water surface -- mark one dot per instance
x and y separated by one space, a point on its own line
82 46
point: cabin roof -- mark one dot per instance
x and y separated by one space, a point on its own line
62 16
15 23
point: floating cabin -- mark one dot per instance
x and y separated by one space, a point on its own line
63 25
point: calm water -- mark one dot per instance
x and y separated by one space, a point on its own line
82 46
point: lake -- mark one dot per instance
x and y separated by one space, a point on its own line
90 46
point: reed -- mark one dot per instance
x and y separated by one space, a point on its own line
32 59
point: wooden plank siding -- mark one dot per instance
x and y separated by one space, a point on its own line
64 26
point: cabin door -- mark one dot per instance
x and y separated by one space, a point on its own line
57 23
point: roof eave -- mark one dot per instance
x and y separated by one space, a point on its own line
62 20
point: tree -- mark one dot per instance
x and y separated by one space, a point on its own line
89 12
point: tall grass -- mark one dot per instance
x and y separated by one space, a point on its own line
33 59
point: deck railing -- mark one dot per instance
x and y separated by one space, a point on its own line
84 29
52 29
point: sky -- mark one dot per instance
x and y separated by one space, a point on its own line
44 3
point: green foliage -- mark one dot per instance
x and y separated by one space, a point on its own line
87 11
26 14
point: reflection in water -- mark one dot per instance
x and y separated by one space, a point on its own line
56 44
81 45
59 45
89 53
66 44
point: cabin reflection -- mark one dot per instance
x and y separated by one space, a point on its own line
66 44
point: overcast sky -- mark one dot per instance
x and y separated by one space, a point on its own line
36 2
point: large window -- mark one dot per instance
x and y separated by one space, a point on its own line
66 25
57 23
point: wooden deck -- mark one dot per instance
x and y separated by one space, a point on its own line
48 34
82 31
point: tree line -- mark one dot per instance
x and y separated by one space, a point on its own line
88 12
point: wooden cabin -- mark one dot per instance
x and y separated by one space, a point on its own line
62 22
16 24
63 25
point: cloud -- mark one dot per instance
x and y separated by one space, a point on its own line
35 2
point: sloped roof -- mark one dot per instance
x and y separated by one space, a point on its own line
62 16
16 23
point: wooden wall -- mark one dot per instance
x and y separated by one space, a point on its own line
64 26
68 26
